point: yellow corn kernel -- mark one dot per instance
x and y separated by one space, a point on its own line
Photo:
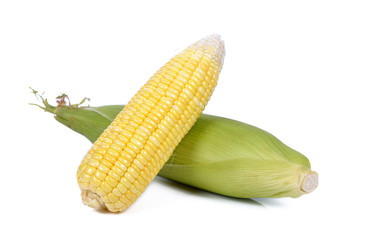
132 150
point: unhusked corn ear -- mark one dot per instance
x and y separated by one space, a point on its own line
135 146
218 154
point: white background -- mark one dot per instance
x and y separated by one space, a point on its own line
293 68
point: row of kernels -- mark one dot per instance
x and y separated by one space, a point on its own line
94 183
124 161
148 148
147 126
173 91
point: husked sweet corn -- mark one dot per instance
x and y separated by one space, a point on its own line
136 145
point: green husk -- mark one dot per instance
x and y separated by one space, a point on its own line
220 155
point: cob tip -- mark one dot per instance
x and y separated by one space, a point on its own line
309 182
215 43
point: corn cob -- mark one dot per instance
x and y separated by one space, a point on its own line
136 145
220 155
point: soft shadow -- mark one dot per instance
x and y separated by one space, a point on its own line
273 202
200 192
258 202
103 210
